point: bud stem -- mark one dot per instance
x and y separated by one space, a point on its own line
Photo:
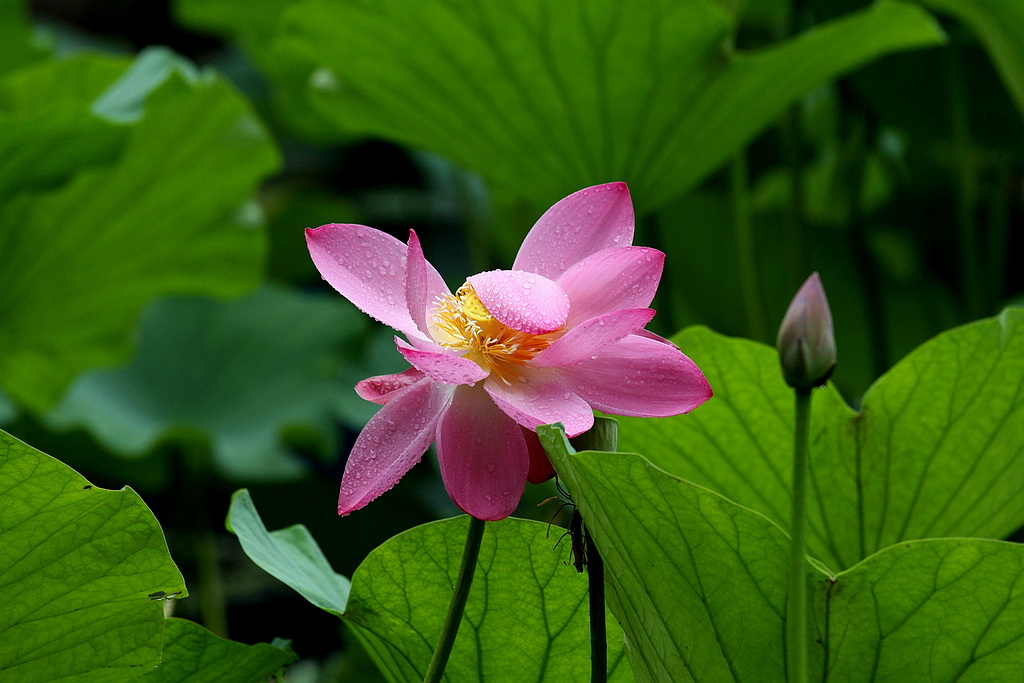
452 621
796 600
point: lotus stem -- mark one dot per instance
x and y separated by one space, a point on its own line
457 606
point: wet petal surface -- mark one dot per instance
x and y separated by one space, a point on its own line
483 456
583 223
612 279
367 267
391 443
588 339
445 368
523 301
640 377
542 400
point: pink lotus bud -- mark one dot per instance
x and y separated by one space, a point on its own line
807 342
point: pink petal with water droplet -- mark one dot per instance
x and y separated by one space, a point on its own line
641 377
585 222
541 401
367 267
391 443
587 339
523 301
483 456
423 284
383 388
611 279
445 368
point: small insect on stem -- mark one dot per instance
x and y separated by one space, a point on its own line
578 547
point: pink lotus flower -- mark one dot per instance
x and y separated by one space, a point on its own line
559 335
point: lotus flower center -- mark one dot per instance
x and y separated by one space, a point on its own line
463 323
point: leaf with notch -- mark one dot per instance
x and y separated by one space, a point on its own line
78 567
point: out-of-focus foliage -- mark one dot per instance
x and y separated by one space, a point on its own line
121 182
999 24
16 37
566 94
241 374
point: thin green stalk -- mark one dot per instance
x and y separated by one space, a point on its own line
998 230
854 163
453 619
212 605
796 598
746 255
967 185
197 516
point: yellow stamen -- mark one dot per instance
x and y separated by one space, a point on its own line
462 322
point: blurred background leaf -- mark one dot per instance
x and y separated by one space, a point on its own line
252 377
153 205
566 94
1000 25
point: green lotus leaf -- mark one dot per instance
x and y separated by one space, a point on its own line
84 574
932 452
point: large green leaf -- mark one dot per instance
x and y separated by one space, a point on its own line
290 555
934 451
927 611
239 373
1000 25
699 585
127 184
697 582
82 573
543 97
194 655
527 612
